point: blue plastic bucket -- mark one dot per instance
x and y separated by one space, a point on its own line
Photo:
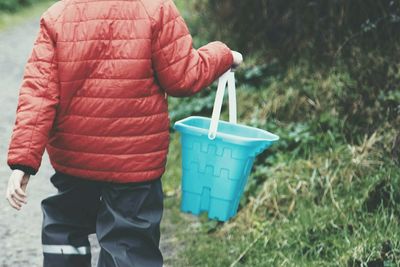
216 165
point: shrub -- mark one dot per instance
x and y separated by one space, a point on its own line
14 5
321 29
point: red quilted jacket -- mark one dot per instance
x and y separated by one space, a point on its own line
94 92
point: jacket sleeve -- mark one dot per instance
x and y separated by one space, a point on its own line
37 103
180 69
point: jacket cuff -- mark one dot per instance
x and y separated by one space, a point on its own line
26 169
223 57
227 60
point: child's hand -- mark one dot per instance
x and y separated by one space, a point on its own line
237 59
16 188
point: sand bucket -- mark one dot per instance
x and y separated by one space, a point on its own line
217 157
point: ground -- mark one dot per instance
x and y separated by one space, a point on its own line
20 230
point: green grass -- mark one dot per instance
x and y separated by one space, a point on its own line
8 19
316 198
292 223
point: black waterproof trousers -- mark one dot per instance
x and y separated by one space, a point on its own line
125 217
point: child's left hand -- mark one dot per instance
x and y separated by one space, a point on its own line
16 188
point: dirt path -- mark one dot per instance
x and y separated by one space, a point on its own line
20 244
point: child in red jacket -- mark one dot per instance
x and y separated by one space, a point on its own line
94 95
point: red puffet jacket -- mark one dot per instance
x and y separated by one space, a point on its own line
95 87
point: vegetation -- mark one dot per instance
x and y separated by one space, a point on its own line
15 5
328 193
13 12
320 29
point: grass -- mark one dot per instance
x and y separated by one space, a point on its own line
315 198
8 19
336 208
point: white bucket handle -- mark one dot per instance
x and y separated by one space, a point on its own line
228 78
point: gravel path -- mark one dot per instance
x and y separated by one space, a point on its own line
20 244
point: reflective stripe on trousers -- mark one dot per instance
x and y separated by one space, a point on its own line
66 249
125 217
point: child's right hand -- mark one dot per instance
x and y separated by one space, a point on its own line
237 59
16 188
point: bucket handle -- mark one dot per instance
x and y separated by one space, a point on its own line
228 78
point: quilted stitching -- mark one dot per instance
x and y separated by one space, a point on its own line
95 86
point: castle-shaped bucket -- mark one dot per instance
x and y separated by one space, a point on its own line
217 157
